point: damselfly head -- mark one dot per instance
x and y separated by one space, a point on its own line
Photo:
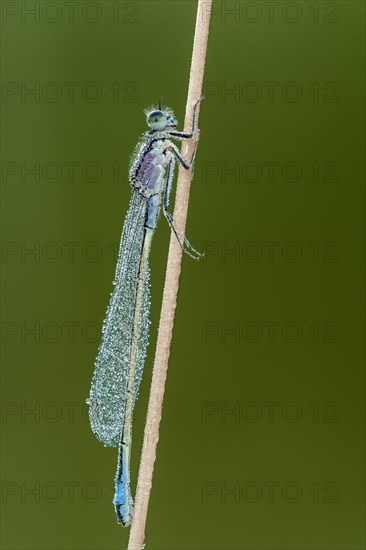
158 119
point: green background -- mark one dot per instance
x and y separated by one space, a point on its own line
215 468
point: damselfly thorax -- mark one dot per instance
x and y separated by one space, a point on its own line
151 164
149 173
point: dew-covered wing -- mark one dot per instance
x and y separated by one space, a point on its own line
108 390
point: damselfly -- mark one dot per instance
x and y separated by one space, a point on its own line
122 351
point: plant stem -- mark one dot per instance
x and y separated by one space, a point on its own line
151 435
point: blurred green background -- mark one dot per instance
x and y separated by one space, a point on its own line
262 440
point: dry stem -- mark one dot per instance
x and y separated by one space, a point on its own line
171 286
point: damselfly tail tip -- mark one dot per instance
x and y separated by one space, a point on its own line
124 513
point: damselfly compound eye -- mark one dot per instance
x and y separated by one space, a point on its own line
157 120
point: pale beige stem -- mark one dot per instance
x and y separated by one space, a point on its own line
151 435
